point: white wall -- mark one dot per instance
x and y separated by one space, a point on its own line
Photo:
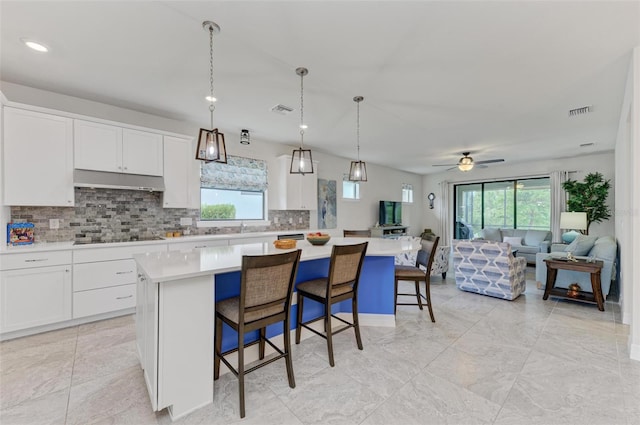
580 165
384 183
627 207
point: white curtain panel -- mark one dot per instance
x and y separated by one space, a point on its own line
558 201
446 223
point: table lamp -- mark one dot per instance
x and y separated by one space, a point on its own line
572 221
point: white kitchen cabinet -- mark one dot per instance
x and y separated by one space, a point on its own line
35 290
175 342
104 147
297 191
104 279
181 174
38 154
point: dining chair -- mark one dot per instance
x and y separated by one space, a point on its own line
421 272
356 233
340 284
266 286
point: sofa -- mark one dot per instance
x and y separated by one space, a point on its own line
602 248
488 268
528 242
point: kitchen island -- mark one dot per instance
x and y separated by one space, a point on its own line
176 294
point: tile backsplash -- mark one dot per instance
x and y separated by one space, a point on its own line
113 214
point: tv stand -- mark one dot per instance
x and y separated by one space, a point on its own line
388 231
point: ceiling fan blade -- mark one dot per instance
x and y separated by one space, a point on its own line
476 165
489 161
445 165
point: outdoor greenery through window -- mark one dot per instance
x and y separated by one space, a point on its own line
509 204
233 191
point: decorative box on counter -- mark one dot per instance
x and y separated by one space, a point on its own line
20 233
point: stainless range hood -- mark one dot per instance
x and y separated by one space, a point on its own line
105 180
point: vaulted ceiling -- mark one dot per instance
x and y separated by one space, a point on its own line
439 78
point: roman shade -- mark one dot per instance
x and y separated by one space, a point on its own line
238 173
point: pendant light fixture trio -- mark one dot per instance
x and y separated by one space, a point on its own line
301 161
211 147
358 169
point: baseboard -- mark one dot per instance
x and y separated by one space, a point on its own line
66 324
634 351
368 319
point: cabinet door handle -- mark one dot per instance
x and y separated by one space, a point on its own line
35 260
127 272
124 298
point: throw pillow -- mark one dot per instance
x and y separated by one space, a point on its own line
581 245
513 240
491 234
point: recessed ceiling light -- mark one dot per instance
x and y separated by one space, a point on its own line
38 47
211 99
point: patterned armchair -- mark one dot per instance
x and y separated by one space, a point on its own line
488 268
440 264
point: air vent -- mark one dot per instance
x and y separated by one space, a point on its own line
282 109
586 145
579 111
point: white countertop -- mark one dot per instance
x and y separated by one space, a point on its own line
173 265
57 246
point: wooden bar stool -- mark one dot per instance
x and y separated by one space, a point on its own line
266 285
417 275
340 284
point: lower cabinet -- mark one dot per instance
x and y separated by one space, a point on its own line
104 300
34 297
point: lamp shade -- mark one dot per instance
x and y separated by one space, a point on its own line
358 171
301 162
573 220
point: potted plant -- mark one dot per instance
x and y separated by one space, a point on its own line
589 196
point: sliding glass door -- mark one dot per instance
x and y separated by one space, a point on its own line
508 204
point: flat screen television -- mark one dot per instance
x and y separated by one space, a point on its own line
390 213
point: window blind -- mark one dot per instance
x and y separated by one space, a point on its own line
238 173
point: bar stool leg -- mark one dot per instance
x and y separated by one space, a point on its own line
287 350
417 282
356 323
299 317
217 349
327 325
263 334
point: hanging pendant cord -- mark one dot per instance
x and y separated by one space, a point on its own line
211 105
358 130
301 110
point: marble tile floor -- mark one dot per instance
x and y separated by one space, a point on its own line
485 361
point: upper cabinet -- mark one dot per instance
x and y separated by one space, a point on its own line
181 174
297 191
38 159
103 147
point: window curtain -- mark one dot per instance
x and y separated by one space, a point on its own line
558 201
237 174
445 217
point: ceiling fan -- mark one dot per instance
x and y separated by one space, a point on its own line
466 163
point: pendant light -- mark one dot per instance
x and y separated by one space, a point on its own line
358 170
301 161
211 146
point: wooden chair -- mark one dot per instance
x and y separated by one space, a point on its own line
356 233
340 284
266 285
417 275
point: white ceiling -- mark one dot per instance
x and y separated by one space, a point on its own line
438 78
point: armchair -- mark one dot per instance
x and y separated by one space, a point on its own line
488 268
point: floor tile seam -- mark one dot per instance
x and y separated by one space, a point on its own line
66 412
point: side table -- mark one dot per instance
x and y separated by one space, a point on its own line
593 268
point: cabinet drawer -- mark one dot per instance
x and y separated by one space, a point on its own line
97 301
34 259
103 274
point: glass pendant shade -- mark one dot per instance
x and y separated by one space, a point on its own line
465 164
301 162
358 171
211 146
